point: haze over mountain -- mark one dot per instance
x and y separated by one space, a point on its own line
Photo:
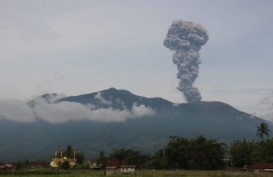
115 118
265 108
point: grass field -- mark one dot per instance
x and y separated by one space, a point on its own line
142 173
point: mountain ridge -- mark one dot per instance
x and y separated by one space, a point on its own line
147 133
115 96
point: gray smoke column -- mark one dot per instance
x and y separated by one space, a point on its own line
186 39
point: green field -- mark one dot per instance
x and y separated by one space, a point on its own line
142 173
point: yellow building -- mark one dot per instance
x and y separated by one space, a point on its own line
58 161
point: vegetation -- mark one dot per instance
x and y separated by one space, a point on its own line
197 153
128 157
263 130
180 153
152 173
22 165
245 153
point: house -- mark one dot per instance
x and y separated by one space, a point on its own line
123 169
115 162
39 165
261 167
8 166
128 169
94 165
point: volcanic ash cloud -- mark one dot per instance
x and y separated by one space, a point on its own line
185 39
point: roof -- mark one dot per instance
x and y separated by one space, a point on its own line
127 166
261 166
40 164
111 167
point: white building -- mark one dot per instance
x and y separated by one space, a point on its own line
127 169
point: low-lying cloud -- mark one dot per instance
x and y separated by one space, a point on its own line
102 100
60 112
16 110
265 108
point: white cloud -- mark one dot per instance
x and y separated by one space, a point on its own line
265 108
19 111
16 110
141 110
267 116
100 99
100 44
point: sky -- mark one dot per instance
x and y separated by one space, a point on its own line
76 47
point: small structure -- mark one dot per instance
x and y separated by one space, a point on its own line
261 167
123 169
110 170
39 165
58 161
8 166
127 169
94 165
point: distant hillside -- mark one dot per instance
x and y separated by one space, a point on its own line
37 140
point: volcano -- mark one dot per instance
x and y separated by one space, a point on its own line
149 133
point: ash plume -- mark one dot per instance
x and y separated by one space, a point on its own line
185 39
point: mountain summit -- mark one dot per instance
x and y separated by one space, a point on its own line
116 99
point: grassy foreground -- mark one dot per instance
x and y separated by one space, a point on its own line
142 173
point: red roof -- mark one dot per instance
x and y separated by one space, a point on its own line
261 166
115 162
39 164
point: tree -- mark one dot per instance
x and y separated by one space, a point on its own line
157 161
241 152
206 154
22 165
128 156
69 152
263 130
65 165
79 157
249 152
102 160
177 152
263 152
198 153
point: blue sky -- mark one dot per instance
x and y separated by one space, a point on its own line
82 46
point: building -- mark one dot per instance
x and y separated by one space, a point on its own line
39 164
94 165
8 166
127 169
261 167
123 169
110 170
58 161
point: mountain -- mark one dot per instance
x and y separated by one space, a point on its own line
146 132
118 99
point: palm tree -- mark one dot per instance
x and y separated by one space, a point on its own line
263 130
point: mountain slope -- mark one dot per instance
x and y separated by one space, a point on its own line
37 140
